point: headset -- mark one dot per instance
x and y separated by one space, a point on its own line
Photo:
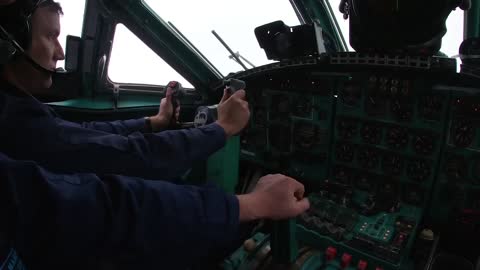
15 32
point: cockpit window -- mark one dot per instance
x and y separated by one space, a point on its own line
342 23
71 22
454 36
143 67
233 21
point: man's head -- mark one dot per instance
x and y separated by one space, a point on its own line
35 25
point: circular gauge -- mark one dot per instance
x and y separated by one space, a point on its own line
347 129
342 175
456 168
371 133
304 135
368 158
459 103
365 182
387 196
279 138
414 195
397 137
431 107
279 108
401 110
475 110
392 164
260 117
350 94
344 152
418 170
302 107
463 133
424 144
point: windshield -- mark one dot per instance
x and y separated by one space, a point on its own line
233 21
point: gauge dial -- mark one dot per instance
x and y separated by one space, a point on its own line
368 158
392 164
302 106
401 110
345 152
371 133
304 136
424 144
430 107
418 170
347 129
463 133
397 137
456 168
350 95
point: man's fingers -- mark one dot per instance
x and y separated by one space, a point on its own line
240 94
225 96
302 205
299 194
168 94
298 188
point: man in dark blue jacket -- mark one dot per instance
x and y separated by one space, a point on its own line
79 221
35 132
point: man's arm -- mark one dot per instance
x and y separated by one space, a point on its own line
81 218
32 133
119 127
77 220
159 122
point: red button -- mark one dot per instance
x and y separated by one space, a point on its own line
331 253
362 265
346 260
378 268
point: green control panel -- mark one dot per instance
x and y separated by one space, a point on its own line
381 146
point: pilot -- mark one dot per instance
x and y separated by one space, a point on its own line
36 132
84 221
76 219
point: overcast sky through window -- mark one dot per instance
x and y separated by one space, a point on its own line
133 62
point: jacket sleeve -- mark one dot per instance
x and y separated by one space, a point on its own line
120 127
83 218
63 146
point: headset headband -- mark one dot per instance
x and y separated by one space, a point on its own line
13 46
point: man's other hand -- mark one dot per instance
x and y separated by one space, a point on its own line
164 117
233 112
274 197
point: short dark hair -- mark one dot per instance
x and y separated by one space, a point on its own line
52 5
16 18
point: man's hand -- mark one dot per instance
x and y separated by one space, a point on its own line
233 112
275 197
164 117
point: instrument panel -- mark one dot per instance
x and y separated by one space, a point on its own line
378 146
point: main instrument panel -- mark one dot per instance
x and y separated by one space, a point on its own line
381 143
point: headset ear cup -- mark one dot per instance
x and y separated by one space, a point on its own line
7 51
